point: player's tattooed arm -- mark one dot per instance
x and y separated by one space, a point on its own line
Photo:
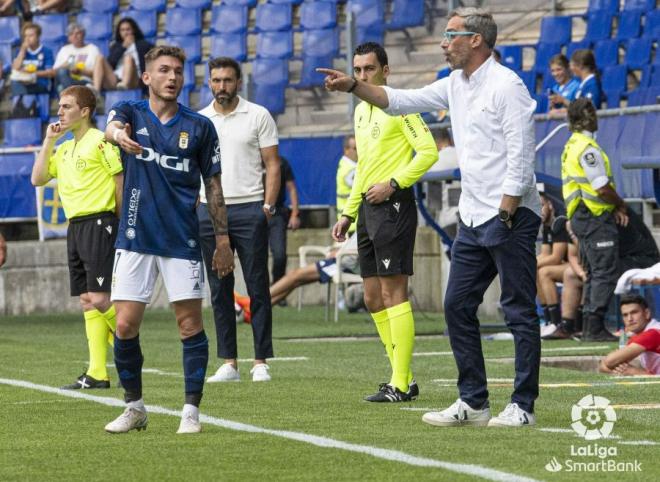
223 257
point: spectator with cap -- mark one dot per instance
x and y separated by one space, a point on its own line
32 68
75 63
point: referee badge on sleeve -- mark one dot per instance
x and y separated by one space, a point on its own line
183 140
590 159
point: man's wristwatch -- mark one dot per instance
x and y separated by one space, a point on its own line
504 216
394 185
270 209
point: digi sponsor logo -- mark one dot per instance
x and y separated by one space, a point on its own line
168 162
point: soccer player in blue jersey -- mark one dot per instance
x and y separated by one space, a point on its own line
166 147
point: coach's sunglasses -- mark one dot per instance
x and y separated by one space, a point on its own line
449 36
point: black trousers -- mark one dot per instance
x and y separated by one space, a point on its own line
248 235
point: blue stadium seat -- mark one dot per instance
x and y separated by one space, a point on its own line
442 73
183 21
6 58
10 30
652 25
114 96
547 82
614 84
608 6
272 97
630 25
643 96
103 45
309 77
245 3
201 4
543 54
273 17
579 45
232 45
606 53
372 33
270 71
22 132
369 20
642 6
157 5
101 121
599 26
541 103
638 53
319 14
529 79
229 19
53 27
321 42
101 6
556 30
188 74
291 2
147 20
277 45
191 44
654 81
406 14
17 195
98 26
204 97
511 56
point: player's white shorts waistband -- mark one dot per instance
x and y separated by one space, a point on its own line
134 276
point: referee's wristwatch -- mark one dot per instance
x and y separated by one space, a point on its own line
270 209
394 185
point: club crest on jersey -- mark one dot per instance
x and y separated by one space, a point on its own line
183 140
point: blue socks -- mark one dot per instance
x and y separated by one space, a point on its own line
129 360
195 360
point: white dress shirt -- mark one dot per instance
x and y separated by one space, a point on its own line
493 126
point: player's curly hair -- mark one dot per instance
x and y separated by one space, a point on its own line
165 51
582 115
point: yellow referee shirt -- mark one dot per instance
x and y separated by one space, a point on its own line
385 146
84 171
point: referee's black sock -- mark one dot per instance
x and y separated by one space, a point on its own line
546 314
555 314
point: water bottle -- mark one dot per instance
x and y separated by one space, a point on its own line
623 338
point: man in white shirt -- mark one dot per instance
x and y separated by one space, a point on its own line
76 61
248 145
492 123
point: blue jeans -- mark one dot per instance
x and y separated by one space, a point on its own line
248 235
478 255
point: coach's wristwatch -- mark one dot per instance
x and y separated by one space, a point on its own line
506 217
270 209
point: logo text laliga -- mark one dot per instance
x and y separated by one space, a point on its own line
168 162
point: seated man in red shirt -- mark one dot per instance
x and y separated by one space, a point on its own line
643 347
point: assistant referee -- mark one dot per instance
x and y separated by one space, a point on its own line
89 181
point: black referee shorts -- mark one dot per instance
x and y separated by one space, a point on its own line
386 235
90 242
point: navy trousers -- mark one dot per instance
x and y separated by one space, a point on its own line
248 235
277 239
478 255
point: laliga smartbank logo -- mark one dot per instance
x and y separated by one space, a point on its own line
592 419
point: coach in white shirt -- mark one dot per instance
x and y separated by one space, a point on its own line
492 122
248 146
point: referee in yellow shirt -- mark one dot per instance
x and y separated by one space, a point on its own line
387 221
89 181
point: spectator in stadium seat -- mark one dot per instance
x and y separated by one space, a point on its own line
34 64
551 263
248 145
563 91
125 63
283 219
346 175
89 177
30 8
641 355
583 66
7 7
499 209
75 63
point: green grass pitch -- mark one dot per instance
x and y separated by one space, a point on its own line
49 436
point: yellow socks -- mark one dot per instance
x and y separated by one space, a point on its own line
97 330
111 319
402 329
382 322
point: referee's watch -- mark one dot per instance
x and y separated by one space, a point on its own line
270 209
394 185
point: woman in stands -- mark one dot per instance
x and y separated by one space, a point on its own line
565 88
583 66
125 63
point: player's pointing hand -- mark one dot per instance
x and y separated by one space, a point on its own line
336 80
122 136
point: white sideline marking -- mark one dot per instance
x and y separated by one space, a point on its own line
278 359
324 442
638 442
568 430
432 353
156 371
490 380
638 406
576 348
418 409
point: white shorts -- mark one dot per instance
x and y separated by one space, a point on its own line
134 276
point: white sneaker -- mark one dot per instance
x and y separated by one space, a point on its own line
189 420
460 413
226 373
134 417
549 329
512 416
260 373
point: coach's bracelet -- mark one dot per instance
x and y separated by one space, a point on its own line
355 83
